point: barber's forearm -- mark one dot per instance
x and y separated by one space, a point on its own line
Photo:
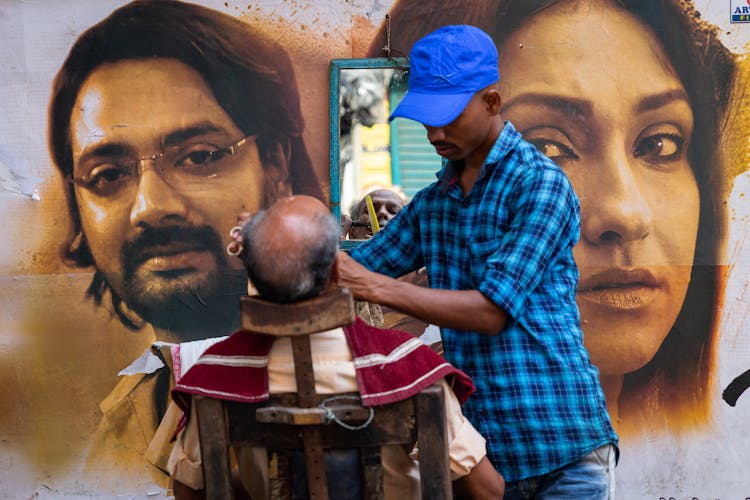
456 309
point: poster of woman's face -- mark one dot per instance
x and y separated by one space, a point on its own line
136 133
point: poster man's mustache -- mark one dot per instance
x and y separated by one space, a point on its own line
155 241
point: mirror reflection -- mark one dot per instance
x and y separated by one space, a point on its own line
386 203
389 162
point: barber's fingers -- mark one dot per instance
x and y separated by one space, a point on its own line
339 267
348 270
346 225
348 273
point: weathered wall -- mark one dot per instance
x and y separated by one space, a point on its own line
60 353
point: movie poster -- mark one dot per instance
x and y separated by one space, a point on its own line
123 170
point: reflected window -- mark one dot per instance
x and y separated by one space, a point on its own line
369 153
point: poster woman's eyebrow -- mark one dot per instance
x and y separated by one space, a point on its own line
569 105
662 99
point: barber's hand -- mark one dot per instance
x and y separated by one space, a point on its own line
361 231
346 225
352 275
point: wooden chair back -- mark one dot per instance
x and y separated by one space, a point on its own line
314 423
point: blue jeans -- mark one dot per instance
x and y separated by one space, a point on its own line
590 478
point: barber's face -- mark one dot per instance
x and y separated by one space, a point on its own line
156 189
472 134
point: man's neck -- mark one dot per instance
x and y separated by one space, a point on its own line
472 164
468 177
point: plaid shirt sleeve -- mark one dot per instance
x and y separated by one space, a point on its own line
543 223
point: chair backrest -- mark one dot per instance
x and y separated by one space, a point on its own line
282 427
314 423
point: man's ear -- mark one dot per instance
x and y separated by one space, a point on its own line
492 100
275 156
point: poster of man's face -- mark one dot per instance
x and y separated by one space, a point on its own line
137 135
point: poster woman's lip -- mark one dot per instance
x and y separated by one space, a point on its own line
622 289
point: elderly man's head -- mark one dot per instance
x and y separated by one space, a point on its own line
290 248
167 119
387 205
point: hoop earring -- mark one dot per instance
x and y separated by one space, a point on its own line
235 247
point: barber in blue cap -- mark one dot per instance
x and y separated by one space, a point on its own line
496 233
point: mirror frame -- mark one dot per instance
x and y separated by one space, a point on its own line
334 149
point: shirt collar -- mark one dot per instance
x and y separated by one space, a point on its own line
504 144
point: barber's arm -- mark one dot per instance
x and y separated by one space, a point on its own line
456 309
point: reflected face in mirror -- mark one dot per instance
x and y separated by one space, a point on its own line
607 106
367 89
387 205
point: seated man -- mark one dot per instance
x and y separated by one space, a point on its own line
289 252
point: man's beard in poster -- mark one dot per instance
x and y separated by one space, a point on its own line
183 300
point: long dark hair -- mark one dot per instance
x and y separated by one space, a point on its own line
251 78
681 369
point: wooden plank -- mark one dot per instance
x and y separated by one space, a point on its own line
392 424
303 371
214 448
300 318
309 416
433 445
372 472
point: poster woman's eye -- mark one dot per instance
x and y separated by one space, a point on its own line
660 147
552 142
554 150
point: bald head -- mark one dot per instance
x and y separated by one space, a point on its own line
290 249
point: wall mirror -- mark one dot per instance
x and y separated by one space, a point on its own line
367 153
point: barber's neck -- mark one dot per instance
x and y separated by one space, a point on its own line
476 158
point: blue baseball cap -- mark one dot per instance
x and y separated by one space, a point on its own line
447 67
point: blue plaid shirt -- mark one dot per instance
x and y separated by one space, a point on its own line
538 403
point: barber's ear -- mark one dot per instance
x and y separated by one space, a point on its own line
275 156
492 100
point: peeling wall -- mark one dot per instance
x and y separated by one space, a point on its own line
60 353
